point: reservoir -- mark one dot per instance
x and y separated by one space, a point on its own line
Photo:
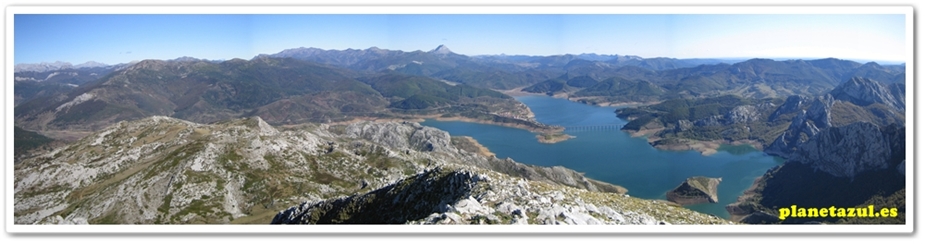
610 155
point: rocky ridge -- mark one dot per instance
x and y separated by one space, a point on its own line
845 165
170 171
863 91
846 151
466 195
859 99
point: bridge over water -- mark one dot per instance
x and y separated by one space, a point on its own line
592 128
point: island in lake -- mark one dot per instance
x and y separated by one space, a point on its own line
694 190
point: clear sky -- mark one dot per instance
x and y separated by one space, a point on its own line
115 39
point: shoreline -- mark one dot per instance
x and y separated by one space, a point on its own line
482 150
557 135
706 148
553 138
516 92
553 130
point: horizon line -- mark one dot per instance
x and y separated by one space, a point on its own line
859 60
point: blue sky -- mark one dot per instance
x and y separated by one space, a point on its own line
122 38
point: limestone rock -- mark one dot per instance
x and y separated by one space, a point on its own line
792 104
863 91
846 151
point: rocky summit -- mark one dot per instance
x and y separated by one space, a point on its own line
467 195
162 170
846 151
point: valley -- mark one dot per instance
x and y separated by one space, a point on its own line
308 136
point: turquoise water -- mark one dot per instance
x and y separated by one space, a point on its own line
615 157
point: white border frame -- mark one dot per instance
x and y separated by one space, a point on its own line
459 9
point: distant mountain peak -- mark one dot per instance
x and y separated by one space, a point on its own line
441 50
90 64
186 59
42 67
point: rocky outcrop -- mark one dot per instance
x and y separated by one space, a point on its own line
465 195
684 125
858 99
402 135
695 190
840 166
898 90
715 120
800 130
742 114
408 199
804 125
738 115
846 151
863 92
166 170
793 104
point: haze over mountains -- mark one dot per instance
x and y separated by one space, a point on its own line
550 74
188 111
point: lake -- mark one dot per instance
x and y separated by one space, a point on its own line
611 155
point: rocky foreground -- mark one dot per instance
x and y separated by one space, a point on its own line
474 196
162 170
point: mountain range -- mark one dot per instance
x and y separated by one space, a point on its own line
843 148
281 90
285 137
317 85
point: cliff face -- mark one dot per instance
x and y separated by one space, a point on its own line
846 151
856 100
695 190
791 105
804 125
863 91
840 166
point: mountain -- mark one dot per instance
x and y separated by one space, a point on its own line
551 86
196 90
42 67
439 63
345 58
858 99
754 78
773 125
845 166
282 90
441 50
170 171
864 91
679 78
32 84
626 90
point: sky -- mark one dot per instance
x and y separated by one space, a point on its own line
112 39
